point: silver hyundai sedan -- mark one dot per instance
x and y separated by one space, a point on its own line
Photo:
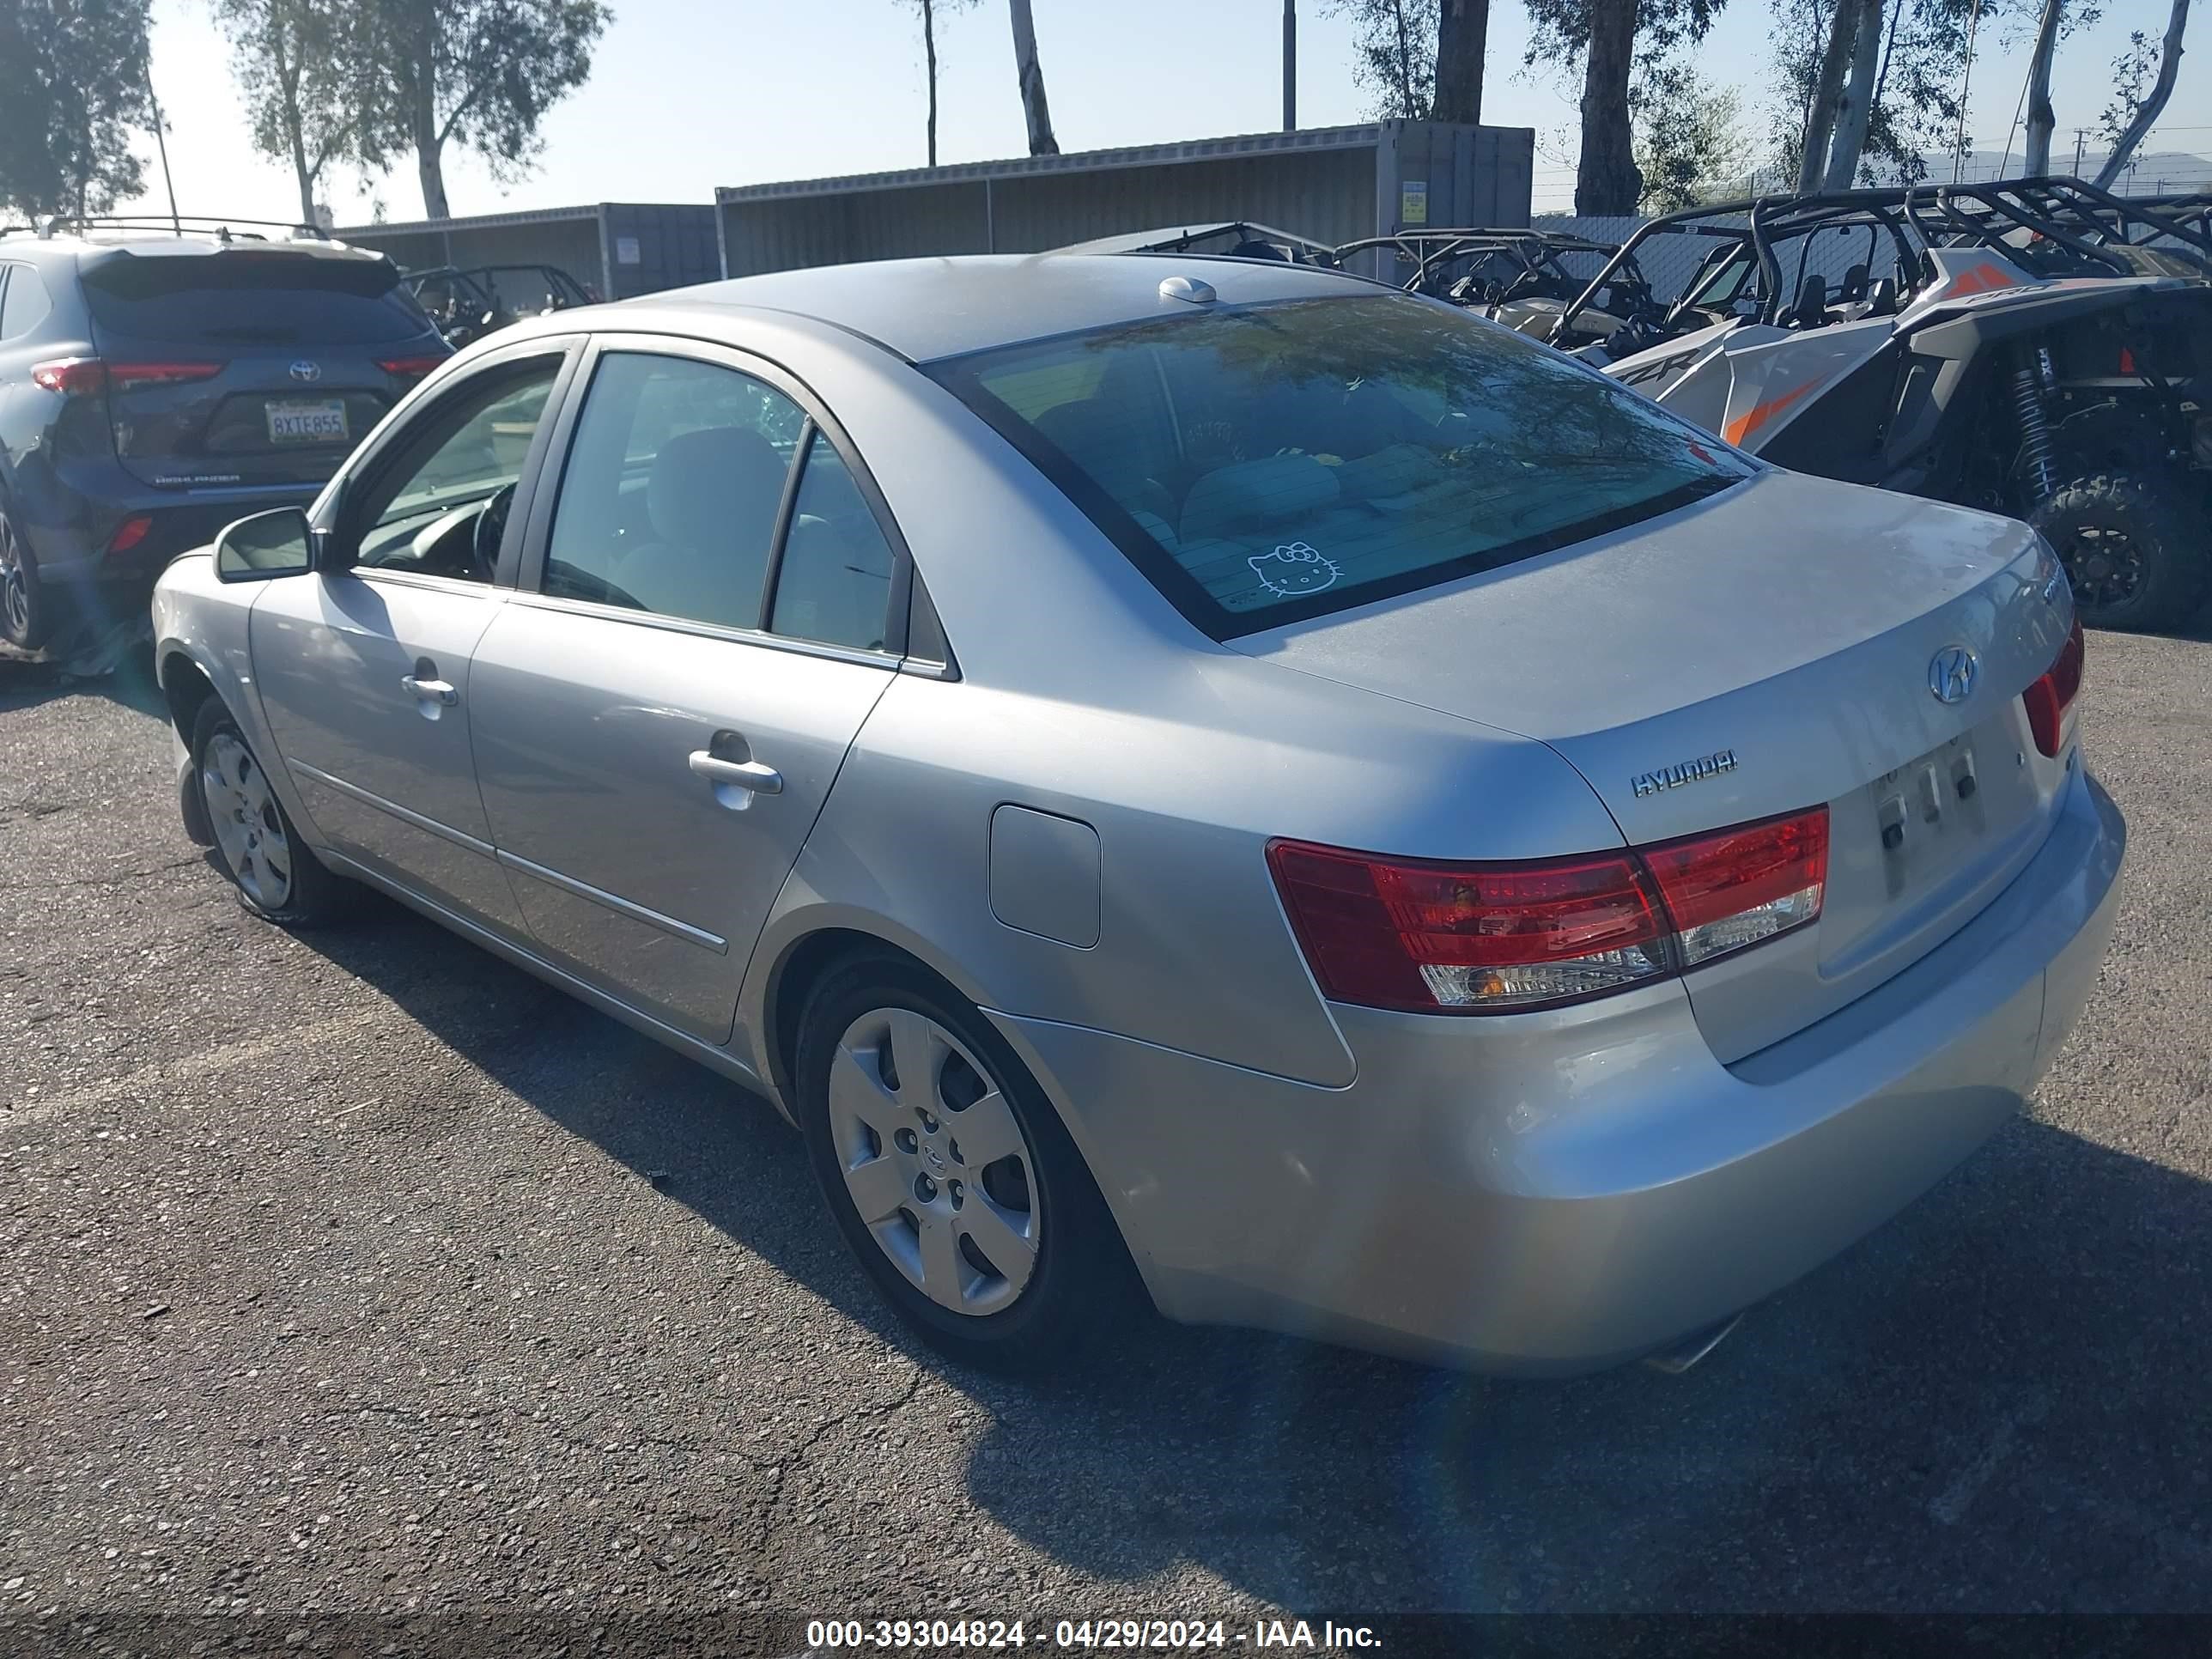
1206 781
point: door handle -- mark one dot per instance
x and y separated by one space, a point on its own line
431 690
745 774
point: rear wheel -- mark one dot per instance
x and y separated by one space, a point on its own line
949 1174
23 611
275 874
2127 551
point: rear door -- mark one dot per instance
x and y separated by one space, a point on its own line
659 714
251 365
364 665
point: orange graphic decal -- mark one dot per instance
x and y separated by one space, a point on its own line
1760 414
1978 279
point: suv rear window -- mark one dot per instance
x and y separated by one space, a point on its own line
1270 463
249 298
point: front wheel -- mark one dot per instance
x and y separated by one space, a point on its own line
22 608
2127 550
276 875
950 1174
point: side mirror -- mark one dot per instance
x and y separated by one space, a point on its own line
278 543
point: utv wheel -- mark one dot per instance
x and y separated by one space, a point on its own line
950 1174
2127 551
22 610
276 876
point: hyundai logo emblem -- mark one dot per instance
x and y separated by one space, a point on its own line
304 370
1951 674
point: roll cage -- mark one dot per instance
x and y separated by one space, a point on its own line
1531 262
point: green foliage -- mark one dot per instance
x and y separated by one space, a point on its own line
301 66
1691 146
1395 41
1559 30
2133 71
481 74
1915 110
72 87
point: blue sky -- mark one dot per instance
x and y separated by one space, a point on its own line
685 96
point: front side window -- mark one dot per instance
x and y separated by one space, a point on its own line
441 507
674 483
1266 463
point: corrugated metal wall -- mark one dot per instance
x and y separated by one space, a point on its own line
1334 191
674 243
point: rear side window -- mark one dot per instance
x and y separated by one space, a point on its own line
1267 463
24 301
249 297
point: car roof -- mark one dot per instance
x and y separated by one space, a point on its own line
924 309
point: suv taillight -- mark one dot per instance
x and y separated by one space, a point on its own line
412 368
1437 937
2051 699
81 376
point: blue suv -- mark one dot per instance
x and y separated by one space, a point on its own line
160 379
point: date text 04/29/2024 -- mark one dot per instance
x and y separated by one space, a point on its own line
1123 1635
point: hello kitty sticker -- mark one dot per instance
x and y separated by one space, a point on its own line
1293 570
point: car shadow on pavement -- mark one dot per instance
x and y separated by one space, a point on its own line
1995 1403
129 681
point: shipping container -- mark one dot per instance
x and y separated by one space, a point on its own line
1332 185
615 249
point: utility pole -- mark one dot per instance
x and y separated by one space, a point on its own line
2077 151
1290 65
161 145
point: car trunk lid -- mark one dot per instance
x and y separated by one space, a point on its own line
1762 653
251 365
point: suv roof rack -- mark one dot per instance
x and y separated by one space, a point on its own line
177 224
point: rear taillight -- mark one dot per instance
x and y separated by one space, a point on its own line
1736 888
1434 938
2050 700
411 369
74 377
78 376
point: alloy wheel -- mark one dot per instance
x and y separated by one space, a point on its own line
15 584
935 1160
2103 564
249 827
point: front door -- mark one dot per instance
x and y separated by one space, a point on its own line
654 733
364 665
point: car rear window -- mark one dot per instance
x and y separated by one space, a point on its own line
250 297
1270 463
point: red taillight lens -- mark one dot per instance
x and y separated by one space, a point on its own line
1434 938
411 368
2050 698
72 376
1738 887
80 375
132 531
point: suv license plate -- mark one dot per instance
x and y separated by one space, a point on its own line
322 421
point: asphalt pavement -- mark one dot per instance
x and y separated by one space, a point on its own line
359 1273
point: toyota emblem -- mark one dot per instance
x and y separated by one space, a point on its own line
305 371
1951 674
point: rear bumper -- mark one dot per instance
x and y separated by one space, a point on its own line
93 589
1561 1193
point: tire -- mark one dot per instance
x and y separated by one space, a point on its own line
1032 1310
23 605
2128 551
273 873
